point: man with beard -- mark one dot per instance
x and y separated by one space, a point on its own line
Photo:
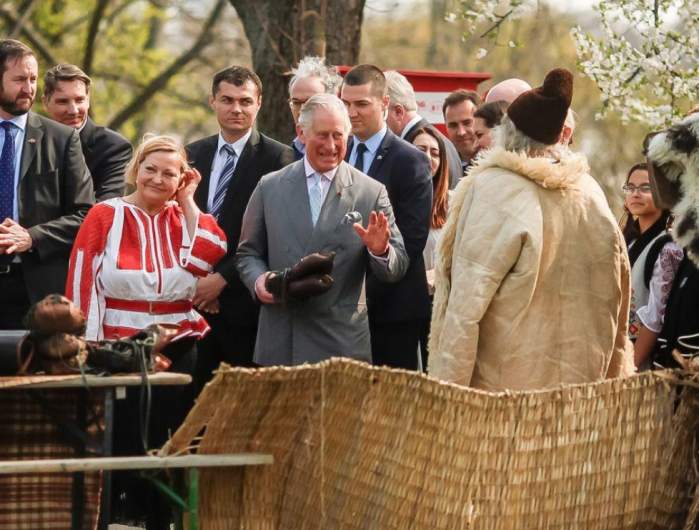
45 190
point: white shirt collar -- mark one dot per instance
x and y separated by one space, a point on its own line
237 146
410 125
330 175
19 121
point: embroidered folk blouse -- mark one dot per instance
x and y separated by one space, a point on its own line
126 262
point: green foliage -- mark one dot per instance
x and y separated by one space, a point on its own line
136 40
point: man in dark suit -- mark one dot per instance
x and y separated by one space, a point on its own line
45 190
310 77
231 164
67 100
397 311
404 121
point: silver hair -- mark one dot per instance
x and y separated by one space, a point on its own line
312 66
400 91
510 138
329 102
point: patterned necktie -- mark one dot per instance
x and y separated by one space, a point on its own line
7 171
223 181
359 162
315 194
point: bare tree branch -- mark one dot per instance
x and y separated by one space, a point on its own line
97 15
161 80
35 40
26 10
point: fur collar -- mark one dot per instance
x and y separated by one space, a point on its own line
676 151
546 172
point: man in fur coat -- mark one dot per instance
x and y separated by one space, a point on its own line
533 279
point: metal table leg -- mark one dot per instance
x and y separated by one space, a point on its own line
107 447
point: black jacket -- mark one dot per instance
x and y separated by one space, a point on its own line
260 156
106 155
54 195
405 171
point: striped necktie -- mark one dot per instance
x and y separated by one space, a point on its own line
315 195
7 171
223 180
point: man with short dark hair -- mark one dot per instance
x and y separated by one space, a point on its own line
45 190
397 312
458 109
405 122
67 100
231 164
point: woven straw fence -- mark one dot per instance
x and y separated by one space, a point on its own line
359 447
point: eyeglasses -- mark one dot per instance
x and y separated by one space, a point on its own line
630 189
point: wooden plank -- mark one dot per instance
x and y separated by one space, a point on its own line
71 465
92 381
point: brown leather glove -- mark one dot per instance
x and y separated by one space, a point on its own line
307 278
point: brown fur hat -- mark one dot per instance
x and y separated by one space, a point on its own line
541 112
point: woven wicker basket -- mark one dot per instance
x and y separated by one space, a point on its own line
360 447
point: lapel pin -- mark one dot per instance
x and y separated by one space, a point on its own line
31 140
379 157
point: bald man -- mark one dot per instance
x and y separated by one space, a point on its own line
507 90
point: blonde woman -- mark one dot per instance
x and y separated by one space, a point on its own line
136 259
135 262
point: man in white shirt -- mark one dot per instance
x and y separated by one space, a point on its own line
311 206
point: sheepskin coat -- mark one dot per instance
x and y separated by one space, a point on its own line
532 279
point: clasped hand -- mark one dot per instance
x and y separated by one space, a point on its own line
14 239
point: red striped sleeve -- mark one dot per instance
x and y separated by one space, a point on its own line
208 247
87 250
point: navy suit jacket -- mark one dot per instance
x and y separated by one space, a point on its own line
405 171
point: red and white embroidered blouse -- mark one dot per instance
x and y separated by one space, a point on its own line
126 263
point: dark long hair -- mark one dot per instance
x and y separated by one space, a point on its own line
629 226
632 230
440 181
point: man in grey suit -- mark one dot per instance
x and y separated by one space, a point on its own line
305 208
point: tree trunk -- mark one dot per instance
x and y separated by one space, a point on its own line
282 32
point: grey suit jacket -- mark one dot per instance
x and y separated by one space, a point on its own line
277 232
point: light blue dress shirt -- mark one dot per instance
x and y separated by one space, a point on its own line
372 145
21 124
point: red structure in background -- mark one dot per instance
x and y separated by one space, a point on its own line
432 86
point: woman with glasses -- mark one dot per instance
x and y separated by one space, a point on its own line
654 261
